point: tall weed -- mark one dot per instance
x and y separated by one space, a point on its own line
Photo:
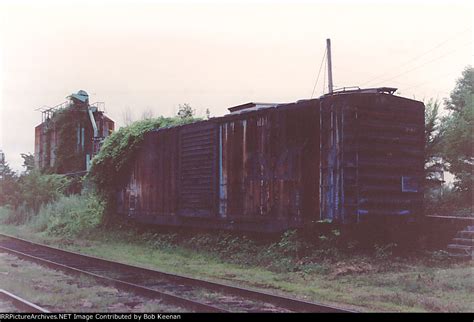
69 215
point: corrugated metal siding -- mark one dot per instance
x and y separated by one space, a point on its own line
197 174
46 138
269 165
371 144
151 188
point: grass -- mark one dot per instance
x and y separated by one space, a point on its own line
365 283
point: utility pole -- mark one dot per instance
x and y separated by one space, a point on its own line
328 48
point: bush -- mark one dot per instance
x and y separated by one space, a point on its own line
448 203
18 215
289 252
38 189
5 213
34 190
383 252
10 190
69 215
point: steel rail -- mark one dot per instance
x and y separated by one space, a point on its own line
288 303
20 303
471 219
119 284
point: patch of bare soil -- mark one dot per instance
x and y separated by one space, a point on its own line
344 268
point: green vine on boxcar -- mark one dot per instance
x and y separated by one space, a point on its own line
110 165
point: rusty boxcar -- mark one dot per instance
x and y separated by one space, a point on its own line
345 157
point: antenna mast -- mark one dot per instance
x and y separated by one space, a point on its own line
328 49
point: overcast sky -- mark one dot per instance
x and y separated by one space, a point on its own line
146 55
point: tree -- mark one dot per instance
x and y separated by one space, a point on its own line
38 189
185 111
208 114
147 114
434 132
28 161
461 97
127 116
457 141
5 170
9 186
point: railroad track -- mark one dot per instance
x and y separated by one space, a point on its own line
21 304
189 293
451 218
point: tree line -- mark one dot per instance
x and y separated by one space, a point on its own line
449 147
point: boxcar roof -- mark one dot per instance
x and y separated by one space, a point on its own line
254 107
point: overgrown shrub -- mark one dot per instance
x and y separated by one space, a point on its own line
5 214
18 215
38 189
384 252
289 252
69 215
292 251
448 202
10 191
34 190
